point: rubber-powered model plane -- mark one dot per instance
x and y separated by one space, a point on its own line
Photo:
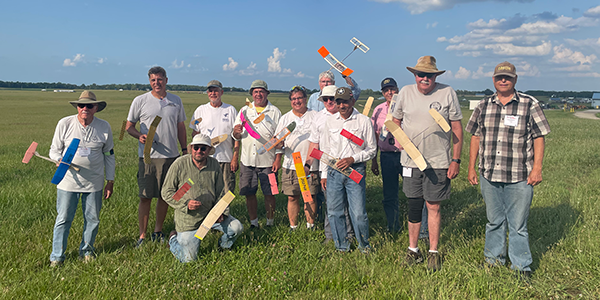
339 65
63 165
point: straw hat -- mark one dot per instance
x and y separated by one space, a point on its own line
426 64
88 97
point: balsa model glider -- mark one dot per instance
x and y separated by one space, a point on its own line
277 138
218 139
214 214
407 144
302 177
439 119
122 130
150 140
368 105
32 150
332 161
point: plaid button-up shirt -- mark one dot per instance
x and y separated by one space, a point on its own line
506 135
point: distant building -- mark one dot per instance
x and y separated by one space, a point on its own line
596 100
64 91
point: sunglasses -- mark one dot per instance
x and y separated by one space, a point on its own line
298 87
89 106
423 75
340 101
201 147
327 99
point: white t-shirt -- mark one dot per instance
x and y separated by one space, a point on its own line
144 108
297 141
93 156
215 122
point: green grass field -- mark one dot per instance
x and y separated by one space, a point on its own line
271 263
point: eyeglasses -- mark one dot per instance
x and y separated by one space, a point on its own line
423 75
340 101
297 98
327 99
201 147
298 87
89 106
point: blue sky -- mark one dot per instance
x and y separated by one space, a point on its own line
554 44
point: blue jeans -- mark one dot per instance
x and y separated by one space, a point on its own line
390 173
340 187
184 245
66 206
507 207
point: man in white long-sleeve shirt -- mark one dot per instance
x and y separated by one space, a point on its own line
350 154
96 160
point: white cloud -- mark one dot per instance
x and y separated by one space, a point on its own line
575 68
462 73
73 62
592 44
432 25
175 65
526 69
299 75
420 6
492 23
189 65
471 53
480 74
567 56
593 12
589 74
512 50
101 60
275 61
287 70
250 70
231 65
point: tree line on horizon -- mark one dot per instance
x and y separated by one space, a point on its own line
199 88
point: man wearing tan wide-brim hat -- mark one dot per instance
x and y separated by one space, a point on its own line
441 150
96 160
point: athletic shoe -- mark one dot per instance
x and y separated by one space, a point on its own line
434 261
413 258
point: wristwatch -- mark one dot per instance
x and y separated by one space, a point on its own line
456 160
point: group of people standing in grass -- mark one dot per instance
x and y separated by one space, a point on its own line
507 128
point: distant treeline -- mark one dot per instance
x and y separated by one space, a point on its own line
185 87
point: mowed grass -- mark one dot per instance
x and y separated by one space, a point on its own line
270 263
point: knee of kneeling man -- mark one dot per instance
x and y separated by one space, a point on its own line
237 227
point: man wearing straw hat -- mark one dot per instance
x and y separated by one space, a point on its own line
193 207
440 149
96 160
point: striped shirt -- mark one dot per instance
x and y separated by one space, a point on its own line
506 135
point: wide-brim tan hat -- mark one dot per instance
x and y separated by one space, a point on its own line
88 97
426 64
203 139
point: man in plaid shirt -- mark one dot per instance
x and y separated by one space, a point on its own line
508 131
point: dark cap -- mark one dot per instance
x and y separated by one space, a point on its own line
214 83
388 82
343 93
505 68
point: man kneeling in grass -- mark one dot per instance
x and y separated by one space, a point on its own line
196 203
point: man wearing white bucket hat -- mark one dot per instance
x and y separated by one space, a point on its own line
440 149
191 209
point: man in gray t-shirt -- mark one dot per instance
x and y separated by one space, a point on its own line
169 138
432 185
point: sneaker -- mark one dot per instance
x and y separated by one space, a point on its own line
434 262
254 227
413 258
139 243
292 230
56 263
157 237
87 258
523 275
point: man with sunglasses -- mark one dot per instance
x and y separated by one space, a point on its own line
96 160
440 149
328 78
328 98
216 118
193 207
169 138
256 167
508 131
353 154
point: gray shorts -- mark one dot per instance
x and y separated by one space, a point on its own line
228 176
151 177
249 177
432 184
291 187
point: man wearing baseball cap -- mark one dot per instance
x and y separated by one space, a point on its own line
96 160
257 167
440 149
508 131
340 188
214 119
190 211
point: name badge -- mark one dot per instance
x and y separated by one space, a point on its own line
406 172
511 120
84 151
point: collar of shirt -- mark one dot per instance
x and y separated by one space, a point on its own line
514 98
